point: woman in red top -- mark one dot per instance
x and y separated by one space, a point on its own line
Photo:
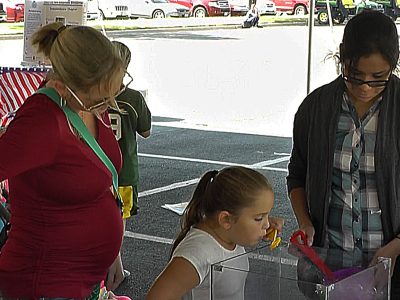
66 226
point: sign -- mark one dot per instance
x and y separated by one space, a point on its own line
40 13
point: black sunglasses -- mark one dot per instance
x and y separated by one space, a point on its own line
370 83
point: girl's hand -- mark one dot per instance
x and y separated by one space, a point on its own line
274 231
390 250
276 223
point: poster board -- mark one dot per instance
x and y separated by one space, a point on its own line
39 13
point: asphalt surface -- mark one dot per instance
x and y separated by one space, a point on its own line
173 156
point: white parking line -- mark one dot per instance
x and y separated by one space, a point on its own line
261 165
169 187
146 237
270 162
214 162
281 154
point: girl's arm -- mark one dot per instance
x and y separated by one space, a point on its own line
178 278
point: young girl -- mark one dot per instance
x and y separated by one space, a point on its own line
229 209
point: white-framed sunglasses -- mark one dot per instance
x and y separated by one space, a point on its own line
104 101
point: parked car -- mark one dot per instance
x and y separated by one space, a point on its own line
3 15
239 7
92 10
266 7
157 9
390 7
14 10
205 8
109 9
351 7
294 7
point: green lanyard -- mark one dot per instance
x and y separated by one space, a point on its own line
78 124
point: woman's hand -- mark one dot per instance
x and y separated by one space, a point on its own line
309 231
390 250
115 274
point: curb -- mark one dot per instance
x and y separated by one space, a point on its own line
11 36
16 36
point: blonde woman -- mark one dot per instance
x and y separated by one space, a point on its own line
66 227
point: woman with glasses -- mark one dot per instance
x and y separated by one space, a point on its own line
344 172
66 226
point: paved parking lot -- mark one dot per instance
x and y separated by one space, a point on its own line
170 162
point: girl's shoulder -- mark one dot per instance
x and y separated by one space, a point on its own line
197 235
200 240
197 242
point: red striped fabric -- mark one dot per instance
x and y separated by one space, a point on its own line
17 84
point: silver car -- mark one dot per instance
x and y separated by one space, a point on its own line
157 9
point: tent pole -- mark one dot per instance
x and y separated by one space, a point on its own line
310 31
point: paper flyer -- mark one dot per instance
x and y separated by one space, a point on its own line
178 208
39 13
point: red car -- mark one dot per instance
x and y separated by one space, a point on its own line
206 8
294 7
15 11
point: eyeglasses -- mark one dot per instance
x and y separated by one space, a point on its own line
104 101
370 83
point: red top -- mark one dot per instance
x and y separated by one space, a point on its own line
66 226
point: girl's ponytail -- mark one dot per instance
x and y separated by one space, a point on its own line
194 211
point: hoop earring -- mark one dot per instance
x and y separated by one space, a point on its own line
63 102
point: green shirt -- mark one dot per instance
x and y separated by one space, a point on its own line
136 118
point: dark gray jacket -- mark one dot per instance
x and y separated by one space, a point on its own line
311 162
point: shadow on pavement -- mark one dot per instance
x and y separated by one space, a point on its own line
165 119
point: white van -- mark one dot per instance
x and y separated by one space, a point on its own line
108 9
92 10
111 9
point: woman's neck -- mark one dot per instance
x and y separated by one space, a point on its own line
217 232
361 106
59 87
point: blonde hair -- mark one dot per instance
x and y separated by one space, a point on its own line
124 52
81 57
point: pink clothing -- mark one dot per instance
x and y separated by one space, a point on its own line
66 226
